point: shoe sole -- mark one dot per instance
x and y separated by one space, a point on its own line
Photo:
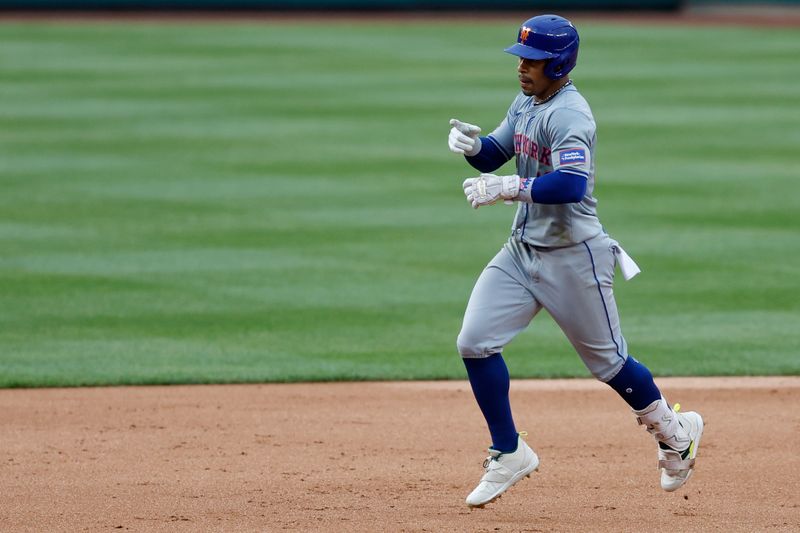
514 481
696 445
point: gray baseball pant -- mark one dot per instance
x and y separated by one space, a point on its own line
574 284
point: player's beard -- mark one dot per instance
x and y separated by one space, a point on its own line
526 85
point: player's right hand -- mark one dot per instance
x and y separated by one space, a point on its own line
464 138
486 189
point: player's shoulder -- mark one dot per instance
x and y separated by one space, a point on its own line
571 107
572 101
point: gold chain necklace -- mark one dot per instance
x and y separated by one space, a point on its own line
554 94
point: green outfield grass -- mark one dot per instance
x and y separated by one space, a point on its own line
240 202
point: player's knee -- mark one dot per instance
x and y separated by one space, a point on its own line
606 371
470 345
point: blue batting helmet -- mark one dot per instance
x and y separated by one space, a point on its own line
548 37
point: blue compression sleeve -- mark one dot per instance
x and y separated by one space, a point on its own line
490 383
557 187
635 384
491 157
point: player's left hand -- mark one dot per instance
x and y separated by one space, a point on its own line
486 189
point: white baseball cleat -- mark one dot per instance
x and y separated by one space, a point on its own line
677 466
503 470
678 436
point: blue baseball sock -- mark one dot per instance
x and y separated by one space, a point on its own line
490 382
635 384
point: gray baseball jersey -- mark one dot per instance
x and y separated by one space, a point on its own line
555 135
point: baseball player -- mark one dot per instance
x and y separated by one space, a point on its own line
557 258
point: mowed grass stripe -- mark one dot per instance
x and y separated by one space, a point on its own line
230 203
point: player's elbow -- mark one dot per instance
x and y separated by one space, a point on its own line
577 189
482 165
484 162
489 158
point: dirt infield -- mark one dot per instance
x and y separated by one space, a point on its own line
386 456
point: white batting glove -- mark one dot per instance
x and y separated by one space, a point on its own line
486 189
464 138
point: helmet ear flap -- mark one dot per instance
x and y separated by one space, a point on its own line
560 66
555 68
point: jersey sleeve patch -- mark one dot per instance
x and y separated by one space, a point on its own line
572 156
